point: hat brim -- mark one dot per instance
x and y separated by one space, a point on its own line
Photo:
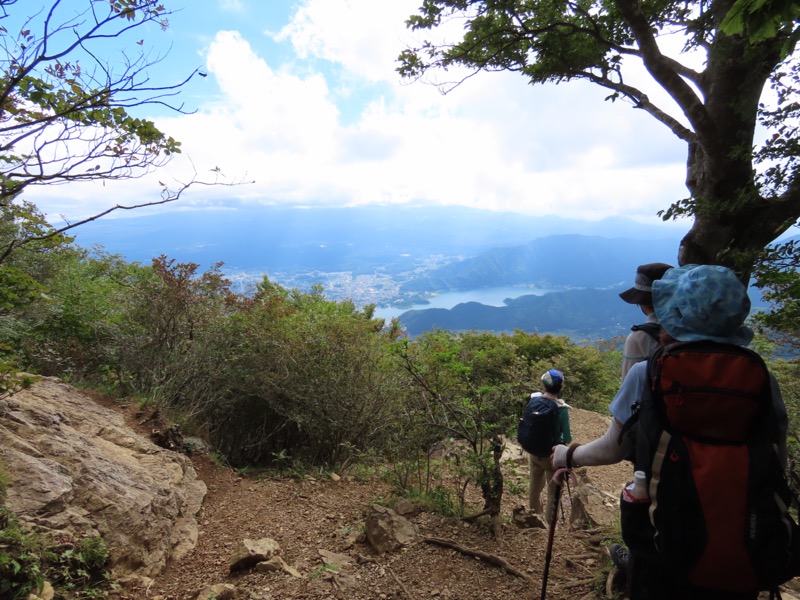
634 296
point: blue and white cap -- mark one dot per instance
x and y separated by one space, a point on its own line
553 379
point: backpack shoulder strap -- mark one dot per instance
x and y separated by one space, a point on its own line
651 329
630 426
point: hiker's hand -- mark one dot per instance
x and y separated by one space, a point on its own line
559 456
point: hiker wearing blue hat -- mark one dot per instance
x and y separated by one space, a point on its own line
702 311
541 469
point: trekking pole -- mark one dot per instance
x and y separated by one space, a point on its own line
558 479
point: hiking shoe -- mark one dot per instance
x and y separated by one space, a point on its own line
619 556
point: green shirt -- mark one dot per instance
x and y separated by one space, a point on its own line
564 433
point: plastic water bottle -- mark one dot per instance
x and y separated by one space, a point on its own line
639 486
636 491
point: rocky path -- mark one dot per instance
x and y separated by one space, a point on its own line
314 516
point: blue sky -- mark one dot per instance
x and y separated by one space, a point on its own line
302 99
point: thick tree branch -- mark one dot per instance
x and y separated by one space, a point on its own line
641 100
663 69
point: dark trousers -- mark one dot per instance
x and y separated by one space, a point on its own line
646 582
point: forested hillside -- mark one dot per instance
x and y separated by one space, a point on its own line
592 314
552 261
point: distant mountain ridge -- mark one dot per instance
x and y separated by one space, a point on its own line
586 314
358 239
579 314
555 261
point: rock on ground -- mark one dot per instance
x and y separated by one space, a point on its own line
77 469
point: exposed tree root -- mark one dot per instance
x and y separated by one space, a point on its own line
573 584
613 582
485 556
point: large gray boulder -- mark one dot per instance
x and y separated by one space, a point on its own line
77 469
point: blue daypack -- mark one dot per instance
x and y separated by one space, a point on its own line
537 431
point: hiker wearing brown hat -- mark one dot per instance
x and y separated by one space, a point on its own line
644 338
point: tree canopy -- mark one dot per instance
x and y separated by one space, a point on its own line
71 77
742 194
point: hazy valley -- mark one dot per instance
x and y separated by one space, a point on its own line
566 273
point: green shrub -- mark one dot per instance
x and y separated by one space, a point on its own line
75 568
79 567
437 499
5 481
21 557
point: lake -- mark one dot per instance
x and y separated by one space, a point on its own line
493 296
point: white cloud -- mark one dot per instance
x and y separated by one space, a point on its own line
304 131
364 36
231 5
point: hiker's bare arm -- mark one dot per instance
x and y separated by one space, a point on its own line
605 450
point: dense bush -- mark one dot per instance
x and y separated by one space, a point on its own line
72 332
282 376
592 375
315 373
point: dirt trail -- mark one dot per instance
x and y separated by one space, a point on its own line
307 516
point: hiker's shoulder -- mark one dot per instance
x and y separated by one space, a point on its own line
637 375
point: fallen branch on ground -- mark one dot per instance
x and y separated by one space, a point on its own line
400 583
475 517
485 556
573 584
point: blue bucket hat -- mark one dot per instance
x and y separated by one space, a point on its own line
703 302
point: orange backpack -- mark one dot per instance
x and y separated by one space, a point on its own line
706 435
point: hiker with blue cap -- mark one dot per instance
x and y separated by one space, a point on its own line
541 469
706 305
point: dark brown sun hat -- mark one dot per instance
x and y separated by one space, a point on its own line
642 290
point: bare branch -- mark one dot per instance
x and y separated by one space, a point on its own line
62 122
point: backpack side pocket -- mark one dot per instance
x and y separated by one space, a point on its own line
638 532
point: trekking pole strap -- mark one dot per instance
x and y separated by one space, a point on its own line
564 474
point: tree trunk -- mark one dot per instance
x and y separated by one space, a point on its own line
732 221
731 226
492 489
